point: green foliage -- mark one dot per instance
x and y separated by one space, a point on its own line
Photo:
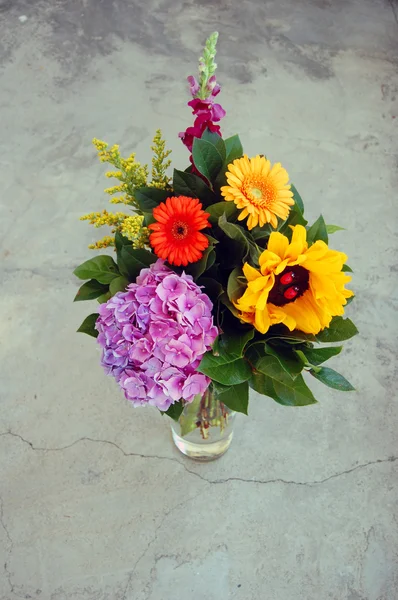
118 284
222 208
135 260
234 149
88 325
90 290
332 379
148 198
187 184
207 159
230 373
199 267
334 228
271 379
174 411
339 330
236 397
298 199
317 231
316 356
101 268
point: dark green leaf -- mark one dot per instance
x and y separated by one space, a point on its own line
212 287
236 284
295 218
234 148
186 184
317 231
135 260
297 198
261 233
349 300
220 208
331 378
236 397
347 269
101 268
206 158
90 290
292 337
104 297
288 391
88 325
242 238
288 359
226 373
230 344
199 267
118 284
148 198
226 302
334 228
316 356
216 140
262 384
174 411
339 330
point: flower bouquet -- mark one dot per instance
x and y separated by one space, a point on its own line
218 283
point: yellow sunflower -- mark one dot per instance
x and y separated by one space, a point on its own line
301 287
261 190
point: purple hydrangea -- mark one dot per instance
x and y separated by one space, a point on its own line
154 335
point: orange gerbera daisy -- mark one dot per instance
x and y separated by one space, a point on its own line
176 234
260 190
302 287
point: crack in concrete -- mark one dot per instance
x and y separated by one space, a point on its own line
390 459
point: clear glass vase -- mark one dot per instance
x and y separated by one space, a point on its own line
205 428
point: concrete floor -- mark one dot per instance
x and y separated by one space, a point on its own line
96 504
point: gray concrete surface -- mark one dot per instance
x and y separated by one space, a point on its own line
96 504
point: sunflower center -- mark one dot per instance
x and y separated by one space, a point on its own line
289 285
259 190
179 230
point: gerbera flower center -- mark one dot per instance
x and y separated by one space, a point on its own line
260 191
179 230
289 285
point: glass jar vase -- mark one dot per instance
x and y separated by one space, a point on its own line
205 428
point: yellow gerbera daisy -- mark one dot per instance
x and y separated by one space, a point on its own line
261 190
301 287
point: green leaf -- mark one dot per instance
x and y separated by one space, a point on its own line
135 260
339 330
288 392
244 242
236 397
104 297
216 140
226 302
230 344
288 359
234 149
221 208
90 290
101 268
316 356
186 184
206 158
331 378
148 198
292 337
347 269
200 266
236 284
334 228
174 411
226 373
261 233
295 218
189 417
317 231
88 325
118 284
297 198
213 288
